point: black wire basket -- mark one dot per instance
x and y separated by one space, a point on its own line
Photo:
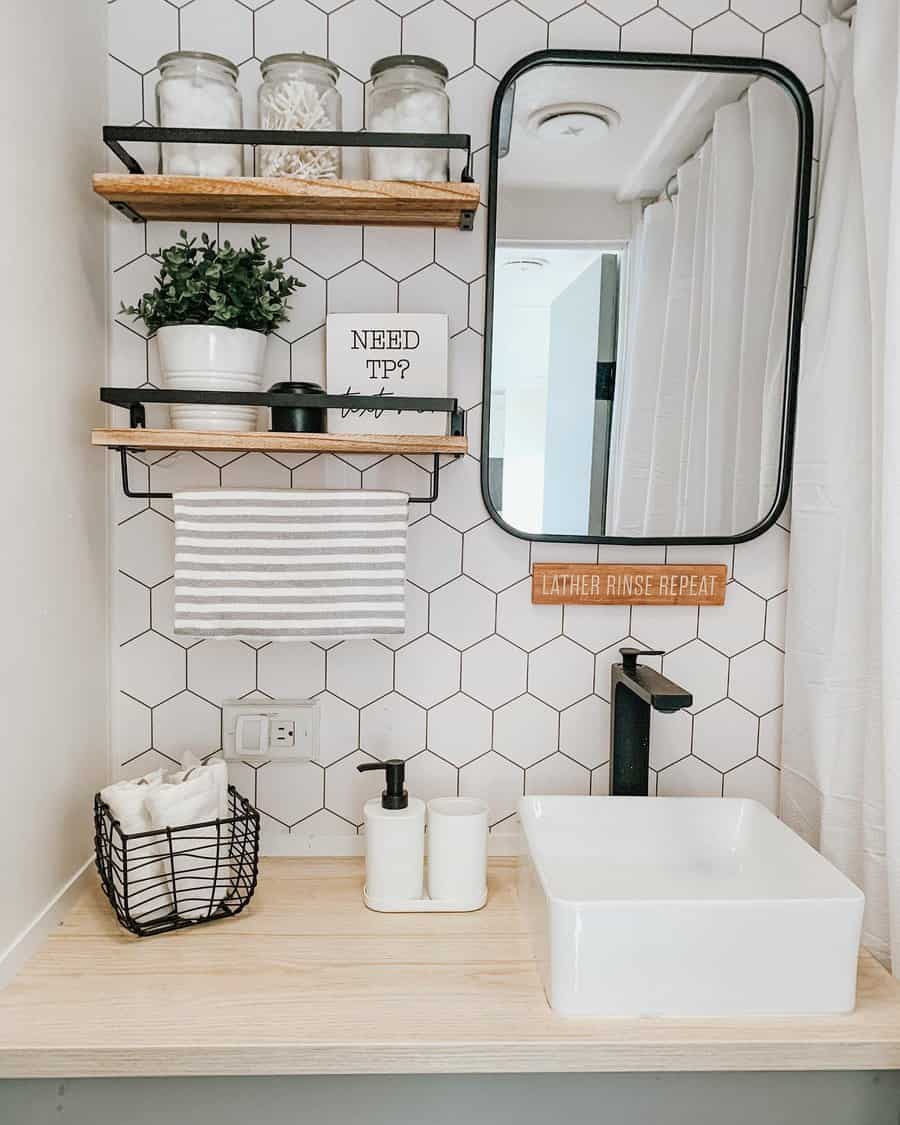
172 878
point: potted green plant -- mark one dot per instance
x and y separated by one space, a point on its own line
211 312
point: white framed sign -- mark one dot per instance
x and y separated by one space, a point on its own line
387 354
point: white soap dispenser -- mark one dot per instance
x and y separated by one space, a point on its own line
395 841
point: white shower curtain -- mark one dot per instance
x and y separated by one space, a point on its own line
703 364
841 756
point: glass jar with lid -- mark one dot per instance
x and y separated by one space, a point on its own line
408 94
199 91
299 91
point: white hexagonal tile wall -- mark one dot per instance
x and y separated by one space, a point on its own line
495 780
256 470
701 670
399 252
428 776
695 12
471 96
220 670
392 727
689 778
292 22
587 27
526 625
656 31
435 290
307 305
145 547
795 44
766 14
462 612
526 730
624 10
561 672
131 728
223 27
728 34
326 250
132 608
725 735
184 723
434 552
775 619
356 49
142 30
493 671
428 671
558 774
338 728
416 618
584 731
664 626
289 791
359 672
151 669
757 678
762 564
291 670
459 729
362 288
755 779
347 790
459 501
596 627
326 471
442 32
770 734
493 558
462 253
505 35
736 625
466 354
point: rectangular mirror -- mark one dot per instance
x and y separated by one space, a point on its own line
647 226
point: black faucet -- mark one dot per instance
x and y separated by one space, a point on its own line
634 689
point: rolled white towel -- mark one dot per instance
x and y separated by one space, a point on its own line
197 863
146 895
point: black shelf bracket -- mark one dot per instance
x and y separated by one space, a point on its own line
134 401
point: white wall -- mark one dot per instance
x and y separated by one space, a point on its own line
53 584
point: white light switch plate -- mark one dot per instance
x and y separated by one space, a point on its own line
260 731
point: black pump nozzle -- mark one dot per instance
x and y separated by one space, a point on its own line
394 795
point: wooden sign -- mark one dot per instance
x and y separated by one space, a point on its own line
628 584
387 354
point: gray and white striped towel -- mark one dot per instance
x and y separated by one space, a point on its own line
301 564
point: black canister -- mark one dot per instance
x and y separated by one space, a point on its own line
299 419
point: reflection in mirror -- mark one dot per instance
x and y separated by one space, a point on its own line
642 283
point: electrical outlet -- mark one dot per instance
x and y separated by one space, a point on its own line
282 733
268 731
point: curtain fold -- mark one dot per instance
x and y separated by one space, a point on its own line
635 428
840 787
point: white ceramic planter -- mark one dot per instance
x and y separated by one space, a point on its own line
210 357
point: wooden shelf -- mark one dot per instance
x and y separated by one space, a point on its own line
279 442
288 200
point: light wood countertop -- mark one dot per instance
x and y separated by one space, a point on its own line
307 981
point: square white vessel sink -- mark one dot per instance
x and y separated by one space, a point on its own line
684 907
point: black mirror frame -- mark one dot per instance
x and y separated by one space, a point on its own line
635 61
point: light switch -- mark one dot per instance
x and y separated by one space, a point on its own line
280 730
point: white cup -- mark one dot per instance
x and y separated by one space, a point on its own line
457 850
